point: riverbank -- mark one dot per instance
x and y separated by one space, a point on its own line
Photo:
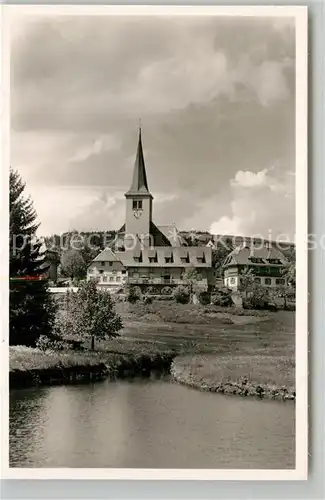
33 367
214 349
256 375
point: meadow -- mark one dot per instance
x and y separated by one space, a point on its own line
208 347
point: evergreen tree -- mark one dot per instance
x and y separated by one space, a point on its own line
32 309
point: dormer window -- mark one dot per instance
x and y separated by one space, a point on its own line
274 261
200 256
185 260
256 260
138 258
169 256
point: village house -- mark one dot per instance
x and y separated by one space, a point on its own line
144 254
265 261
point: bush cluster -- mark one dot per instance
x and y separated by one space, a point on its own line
182 294
222 297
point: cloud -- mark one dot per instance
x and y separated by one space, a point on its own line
249 179
216 97
261 204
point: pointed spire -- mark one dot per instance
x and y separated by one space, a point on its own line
139 182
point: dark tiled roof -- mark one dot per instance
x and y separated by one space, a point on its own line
260 255
139 182
177 253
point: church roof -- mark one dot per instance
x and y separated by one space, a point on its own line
171 232
139 182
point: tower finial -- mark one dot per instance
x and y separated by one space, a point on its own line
140 125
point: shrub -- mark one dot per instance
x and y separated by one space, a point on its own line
182 294
151 290
259 298
133 294
147 299
51 343
167 290
222 297
204 298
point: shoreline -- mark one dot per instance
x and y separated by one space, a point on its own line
211 373
68 368
225 377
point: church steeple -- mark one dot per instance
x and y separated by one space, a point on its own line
139 184
139 199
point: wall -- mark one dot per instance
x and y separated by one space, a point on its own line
110 274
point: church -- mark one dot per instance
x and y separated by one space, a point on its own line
145 254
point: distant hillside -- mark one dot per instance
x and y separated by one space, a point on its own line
102 239
204 237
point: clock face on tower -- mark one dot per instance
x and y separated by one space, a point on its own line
137 213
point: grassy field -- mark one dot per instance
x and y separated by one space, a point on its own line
209 345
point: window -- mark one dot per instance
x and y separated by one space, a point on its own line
268 281
169 260
101 272
114 272
232 281
104 278
118 278
123 272
110 263
111 278
201 260
103 263
152 260
280 281
256 260
137 205
274 261
257 280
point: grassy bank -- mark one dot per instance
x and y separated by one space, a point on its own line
32 367
217 349
256 375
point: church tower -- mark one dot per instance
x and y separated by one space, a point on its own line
138 200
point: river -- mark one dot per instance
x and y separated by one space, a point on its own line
148 424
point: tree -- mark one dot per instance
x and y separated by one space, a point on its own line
222 249
247 279
90 314
73 265
191 278
289 274
284 292
32 308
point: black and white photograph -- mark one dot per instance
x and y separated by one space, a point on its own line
156 187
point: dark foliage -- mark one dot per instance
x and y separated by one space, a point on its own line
32 309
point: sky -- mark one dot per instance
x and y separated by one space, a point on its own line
216 99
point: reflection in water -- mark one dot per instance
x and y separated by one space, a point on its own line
149 424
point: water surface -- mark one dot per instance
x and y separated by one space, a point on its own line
149 424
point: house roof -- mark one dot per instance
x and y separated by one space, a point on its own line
106 255
139 184
246 255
